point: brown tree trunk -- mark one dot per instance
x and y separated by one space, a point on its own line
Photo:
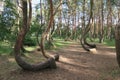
101 26
83 18
28 24
44 35
109 20
60 20
41 25
117 41
83 38
24 29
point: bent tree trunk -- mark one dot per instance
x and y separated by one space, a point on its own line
90 45
84 47
117 42
24 29
84 35
46 32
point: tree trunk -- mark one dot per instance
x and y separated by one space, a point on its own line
46 32
117 41
24 29
83 18
83 38
109 20
101 26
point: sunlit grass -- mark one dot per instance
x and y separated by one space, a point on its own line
109 43
59 43
30 48
6 48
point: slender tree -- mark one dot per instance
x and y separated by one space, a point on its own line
87 29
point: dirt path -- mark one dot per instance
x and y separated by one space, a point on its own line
75 64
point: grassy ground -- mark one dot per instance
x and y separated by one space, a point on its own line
6 48
75 64
59 43
72 54
107 42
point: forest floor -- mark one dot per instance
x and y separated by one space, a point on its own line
75 64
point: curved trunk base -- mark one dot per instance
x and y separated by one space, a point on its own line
49 63
90 45
83 45
56 57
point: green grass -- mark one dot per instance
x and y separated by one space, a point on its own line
109 43
59 43
115 73
30 48
56 44
106 42
5 48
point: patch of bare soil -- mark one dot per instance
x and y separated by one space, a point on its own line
75 64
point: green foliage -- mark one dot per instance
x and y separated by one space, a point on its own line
28 41
35 27
4 30
115 2
49 45
56 44
109 42
5 48
7 20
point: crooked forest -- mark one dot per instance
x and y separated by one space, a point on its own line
59 39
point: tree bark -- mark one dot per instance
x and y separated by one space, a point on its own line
24 29
101 38
109 19
86 30
46 32
117 42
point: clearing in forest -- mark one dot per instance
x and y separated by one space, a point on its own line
75 64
